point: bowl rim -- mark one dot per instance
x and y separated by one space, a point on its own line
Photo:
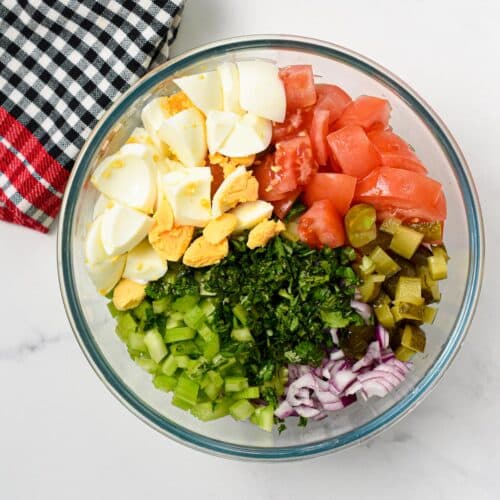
373 427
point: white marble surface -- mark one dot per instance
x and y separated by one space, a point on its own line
62 434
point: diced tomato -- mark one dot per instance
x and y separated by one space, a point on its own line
283 206
352 151
367 112
274 182
296 121
217 178
398 188
338 188
299 86
332 98
322 225
296 154
318 132
395 152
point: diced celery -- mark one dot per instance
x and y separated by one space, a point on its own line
187 347
147 364
205 332
429 314
203 411
135 342
384 316
125 325
248 393
195 366
174 320
186 392
207 306
235 384
404 354
194 318
409 290
383 262
438 268
178 334
413 338
161 305
264 418
241 314
403 310
169 366
165 382
212 384
211 347
184 304
241 410
156 347
406 241
241 335
112 309
390 225
182 361
143 310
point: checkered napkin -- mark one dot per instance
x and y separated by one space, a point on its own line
62 62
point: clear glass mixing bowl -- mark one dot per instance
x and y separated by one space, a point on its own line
413 119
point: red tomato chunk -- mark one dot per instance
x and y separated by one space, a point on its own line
299 86
367 112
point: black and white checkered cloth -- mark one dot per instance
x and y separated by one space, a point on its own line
62 62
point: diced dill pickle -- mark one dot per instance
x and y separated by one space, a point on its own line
291 231
440 251
382 299
367 266
383 240
404 310
406 241
413 338
407 266
369 290
384 264
432 231
404 354
384 316
390 225
355 343
420 256
360 224
430 288
438 267
390 284
409 290
429 314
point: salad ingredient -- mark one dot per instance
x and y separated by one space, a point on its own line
128 294
366 111
339 188
106 274
164 216
101 204
352 151
238 187
295 122
384 264
322 225
275 182
220 228
184 133
203 89
171 244
228 164
230 82
219 125
128 178
202 253
122 228
360 225
405 241
432 231
250 213
318 132
263 232
332 98
251 134
144 264
283 206
94 249
296 157
299 86
188 193
261 90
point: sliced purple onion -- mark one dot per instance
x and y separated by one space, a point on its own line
334 332
306 412
284 410
364 310
382 335
336 355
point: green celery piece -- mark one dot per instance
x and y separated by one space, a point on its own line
207 306
194 318
235 384
211 347
248 393
241 410
178 334
212 384
169 366
182 361
264 418
147 364
135 342
156 347
125 325
142 311
241 314
184 304
187 347
241 335
205 332
203 411
186 392
165 382
174 320
112 309
161 305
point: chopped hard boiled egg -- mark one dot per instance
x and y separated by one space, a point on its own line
94 250
263 232
238 187
122 228
188 192
101 204
229 165
261 90
159 109
219 125
128 294
251 134
172 243
106 274
220 228
144 264
184 133
141 136
204 89
230 82
249 214
129 178
202 253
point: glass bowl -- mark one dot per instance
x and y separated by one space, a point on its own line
413 119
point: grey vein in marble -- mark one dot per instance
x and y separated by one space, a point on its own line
29 347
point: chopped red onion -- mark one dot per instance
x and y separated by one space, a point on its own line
364 310
382 335
334 332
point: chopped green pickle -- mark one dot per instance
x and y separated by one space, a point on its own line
413 338
404 310
409 290
440 251
438 267
404 354
429 315
383 240
430 288
384 264
406 241
384 316
367 266
369 291
390 225
432 231
360 225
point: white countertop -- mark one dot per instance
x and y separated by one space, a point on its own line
64 436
